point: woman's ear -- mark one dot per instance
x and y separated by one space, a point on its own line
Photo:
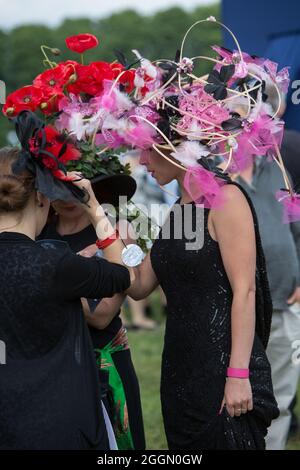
39 199
42 200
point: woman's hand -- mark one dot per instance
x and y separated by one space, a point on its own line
85 184
237 396
142 279
93 209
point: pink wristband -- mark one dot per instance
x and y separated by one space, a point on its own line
238 373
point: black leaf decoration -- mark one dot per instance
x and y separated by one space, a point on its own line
132 64
248 83
120 57
235 114
174 101
210 165
220 174
170 68
226 73
190 81
177 56
164 126
223 48
206 163
264 94
217 82
231 124
167 66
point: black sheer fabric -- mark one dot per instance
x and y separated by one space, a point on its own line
198 343
49 387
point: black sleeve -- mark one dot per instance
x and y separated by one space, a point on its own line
78 277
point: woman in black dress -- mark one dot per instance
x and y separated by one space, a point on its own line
219 314
49 387
121 396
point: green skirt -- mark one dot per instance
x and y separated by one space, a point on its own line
105 361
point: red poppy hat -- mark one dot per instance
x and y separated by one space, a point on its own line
45 152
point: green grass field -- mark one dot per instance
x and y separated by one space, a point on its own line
146 348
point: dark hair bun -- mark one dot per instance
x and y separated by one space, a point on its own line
15 191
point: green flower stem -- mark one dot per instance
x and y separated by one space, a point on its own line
47 60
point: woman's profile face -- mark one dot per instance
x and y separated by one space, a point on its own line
68 210
159 167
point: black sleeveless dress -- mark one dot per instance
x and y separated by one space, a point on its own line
198 343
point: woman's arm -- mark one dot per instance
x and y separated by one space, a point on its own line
107 308
91 278
234 230
143 279
105 311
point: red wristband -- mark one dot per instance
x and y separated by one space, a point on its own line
102 244
238 373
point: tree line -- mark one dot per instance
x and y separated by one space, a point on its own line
155 36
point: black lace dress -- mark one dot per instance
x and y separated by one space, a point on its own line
198 343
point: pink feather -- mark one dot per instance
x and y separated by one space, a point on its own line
204 187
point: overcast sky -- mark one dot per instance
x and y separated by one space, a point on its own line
52 12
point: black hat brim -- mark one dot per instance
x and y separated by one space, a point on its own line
108 188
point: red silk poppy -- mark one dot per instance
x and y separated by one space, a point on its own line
81 42
51 82
26 98
51 99
55 78
126 79
117 68
89 78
